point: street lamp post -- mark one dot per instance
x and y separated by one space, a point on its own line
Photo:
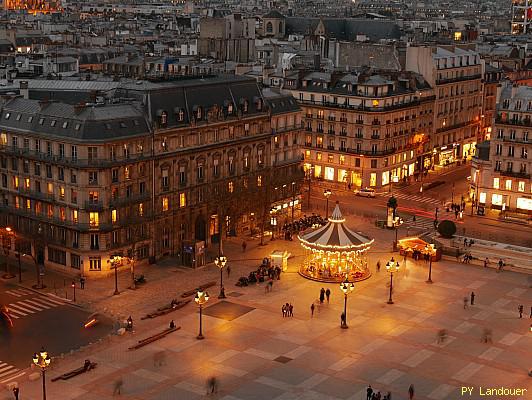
327 193
429 250
273 221
74 289
19 268
9 233
220 262
201 298
42 360
391 266
347 288
115 260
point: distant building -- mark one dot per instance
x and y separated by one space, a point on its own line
367 129
455 74
500 177
34 6
521 16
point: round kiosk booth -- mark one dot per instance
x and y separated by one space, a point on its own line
333 252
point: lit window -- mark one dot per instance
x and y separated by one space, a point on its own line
259 180
27 183
62 213
307 154
165 203
318 156
113 216
182 200
141 209
342 159
75 216
521 186
508 184
126 172
17 202
50 187
94 219
373 179
495 183
231 187
28 204
15 182
62 193
375 103
496 199
50 211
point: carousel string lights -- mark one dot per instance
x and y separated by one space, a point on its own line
334 252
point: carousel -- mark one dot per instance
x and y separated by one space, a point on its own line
334 252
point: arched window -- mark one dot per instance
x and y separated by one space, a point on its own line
269 27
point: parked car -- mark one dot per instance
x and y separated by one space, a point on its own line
367 192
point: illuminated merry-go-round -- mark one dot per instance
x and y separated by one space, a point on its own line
333 251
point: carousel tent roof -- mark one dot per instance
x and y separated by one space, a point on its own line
335 236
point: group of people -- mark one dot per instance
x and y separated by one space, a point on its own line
288 310
325 294
301 224
376 395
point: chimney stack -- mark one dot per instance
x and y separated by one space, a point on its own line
24 89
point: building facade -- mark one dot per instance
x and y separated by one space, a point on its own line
170 169
500 179
367 129
455 74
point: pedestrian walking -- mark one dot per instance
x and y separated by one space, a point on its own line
16 391
117 389
291 310
473 298
228 270
172 324
411 392
520 309
82 282
212 385
465 242
501 264
244 245
283 308
328 294
465 302
486 262
404 258
378 266
322 295
378 396
312 307
369 392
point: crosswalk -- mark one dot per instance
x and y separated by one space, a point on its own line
9 373
19 292
420 223
413 197
23 308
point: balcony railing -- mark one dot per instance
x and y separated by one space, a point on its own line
524 175
94 205
361 107
443 81
71 161
499 119
138 198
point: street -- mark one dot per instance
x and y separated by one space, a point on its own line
40 320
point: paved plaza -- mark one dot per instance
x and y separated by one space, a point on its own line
257 354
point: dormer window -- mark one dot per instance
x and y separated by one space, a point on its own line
164 144
199 113
181 115
258 104
245 105
163 119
